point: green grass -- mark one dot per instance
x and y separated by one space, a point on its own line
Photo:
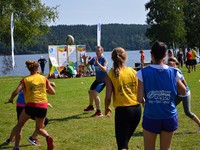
74 130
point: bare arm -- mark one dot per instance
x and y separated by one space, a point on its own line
109 90
101 67
15 93
140 91
181 87
85 62
50 89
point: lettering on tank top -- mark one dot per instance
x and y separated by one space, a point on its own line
159 97
35 87
126 87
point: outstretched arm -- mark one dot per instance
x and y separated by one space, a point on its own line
15 93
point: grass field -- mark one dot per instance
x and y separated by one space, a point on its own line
74 130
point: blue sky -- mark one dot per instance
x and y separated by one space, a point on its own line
87 12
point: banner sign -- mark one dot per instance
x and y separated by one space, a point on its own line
61 55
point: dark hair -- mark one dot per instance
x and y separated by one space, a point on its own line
32 65
158 50
119 57
173 59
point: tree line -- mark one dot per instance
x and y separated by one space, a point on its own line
174 22
131 37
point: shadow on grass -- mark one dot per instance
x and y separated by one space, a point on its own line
78 116
6 146
137 134
176 133
181 133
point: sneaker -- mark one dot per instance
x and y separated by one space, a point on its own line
33 141
16 148
97 114
7 141
89 108
198 130
49 143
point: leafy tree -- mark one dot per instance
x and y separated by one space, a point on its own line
166 20
192 21
31 19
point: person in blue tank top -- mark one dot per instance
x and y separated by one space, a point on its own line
173 62
157 88
100 64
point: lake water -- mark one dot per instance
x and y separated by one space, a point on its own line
21 70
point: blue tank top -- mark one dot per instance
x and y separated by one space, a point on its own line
100 75
160 89
20 99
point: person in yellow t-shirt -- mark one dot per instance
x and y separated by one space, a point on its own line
35 87
194 61
121 81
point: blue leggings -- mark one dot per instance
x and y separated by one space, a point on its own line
186 104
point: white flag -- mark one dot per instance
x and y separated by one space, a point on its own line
12 40
99 33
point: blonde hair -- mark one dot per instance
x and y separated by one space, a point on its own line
32 65
119 58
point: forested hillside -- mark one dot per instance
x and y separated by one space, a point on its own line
131 37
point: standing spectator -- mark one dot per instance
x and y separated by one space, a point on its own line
35 87
189 60
42 61
158 85
187 97
100 63
142 58
122 83
194 61
180 57
170 53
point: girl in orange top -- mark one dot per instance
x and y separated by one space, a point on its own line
35 88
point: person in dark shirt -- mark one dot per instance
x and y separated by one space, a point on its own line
42 61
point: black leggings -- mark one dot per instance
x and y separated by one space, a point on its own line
126 121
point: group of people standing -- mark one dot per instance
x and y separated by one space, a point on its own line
155 87
189 58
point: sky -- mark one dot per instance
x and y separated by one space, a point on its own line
88 12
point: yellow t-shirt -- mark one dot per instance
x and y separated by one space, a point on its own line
194 54
35 89
125 87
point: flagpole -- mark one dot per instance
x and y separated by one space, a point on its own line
12 40
99 33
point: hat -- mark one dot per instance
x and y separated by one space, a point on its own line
173 59
141 51
41 57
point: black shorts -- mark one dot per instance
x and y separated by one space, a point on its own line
19 111
194 61
97 86
36 112
189 62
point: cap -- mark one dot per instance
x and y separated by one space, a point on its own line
41 57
